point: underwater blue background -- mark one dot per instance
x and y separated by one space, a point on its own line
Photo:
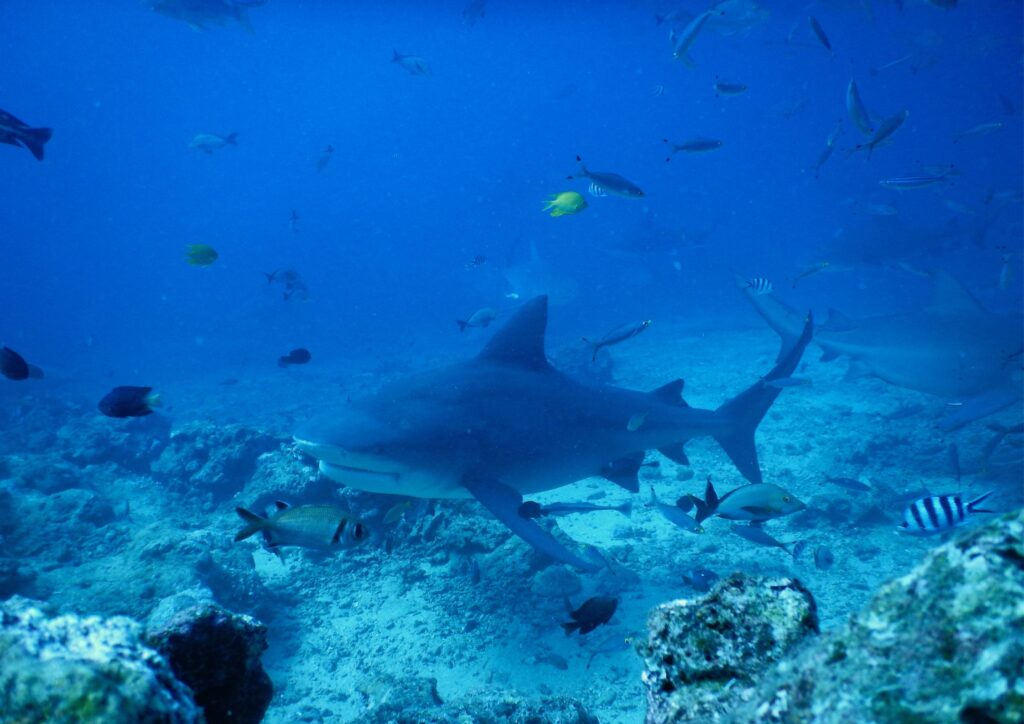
431 171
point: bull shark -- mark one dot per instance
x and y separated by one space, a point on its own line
954 348
506 423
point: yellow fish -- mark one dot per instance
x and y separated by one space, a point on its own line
567 202
201 254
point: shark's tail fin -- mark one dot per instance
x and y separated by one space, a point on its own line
743 413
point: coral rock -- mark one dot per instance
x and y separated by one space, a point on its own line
217 653
77 669
701 654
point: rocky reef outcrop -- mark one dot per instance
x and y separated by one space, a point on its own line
69 668
701 654
217 653
943 643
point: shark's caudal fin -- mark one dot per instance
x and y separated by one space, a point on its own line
743 413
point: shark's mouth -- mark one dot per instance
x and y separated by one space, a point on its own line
362 478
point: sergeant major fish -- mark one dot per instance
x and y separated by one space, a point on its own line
940 514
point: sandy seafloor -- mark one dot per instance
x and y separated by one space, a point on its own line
344 629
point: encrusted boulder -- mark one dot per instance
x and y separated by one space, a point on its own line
217 653
77 669
945 643
218 459
701 654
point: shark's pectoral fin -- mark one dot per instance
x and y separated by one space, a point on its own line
503 502
676 454
828 355
624 472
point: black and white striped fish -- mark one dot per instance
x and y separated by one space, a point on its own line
760 285
939 513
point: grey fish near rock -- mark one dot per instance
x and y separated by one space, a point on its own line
324 527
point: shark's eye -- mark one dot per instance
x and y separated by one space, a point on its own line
785 498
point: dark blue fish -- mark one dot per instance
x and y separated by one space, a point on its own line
298 356
700 579
594 612
15 133
12 365
129 401
532 509
823 558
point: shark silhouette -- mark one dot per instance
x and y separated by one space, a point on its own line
506 423
954 348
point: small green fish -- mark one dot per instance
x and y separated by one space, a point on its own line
756 502
323 527
210 142
201 254
396 511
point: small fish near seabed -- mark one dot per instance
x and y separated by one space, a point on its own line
294 288
198 14
849 484
412 64
756 534
210 142
756 502
616 336
565 203
674 514
940 514
15 133
13 366
201 255
594 612
479 319
700 579
823 558
129 401
533 509
317 526
605 183
298 356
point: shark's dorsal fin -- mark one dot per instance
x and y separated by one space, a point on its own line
670 394
949 295
521 341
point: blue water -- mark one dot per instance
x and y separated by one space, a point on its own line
430 171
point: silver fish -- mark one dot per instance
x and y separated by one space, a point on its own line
885 131
413 64
682 43
617 335
857 110
698 144
603 183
